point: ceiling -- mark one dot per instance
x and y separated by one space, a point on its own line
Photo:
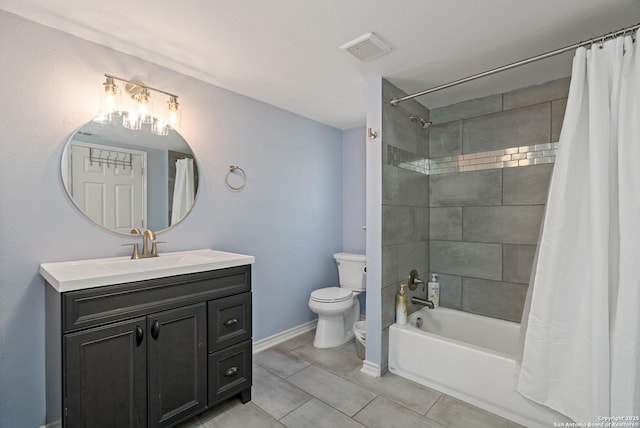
286 52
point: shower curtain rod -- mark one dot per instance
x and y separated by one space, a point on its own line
395 101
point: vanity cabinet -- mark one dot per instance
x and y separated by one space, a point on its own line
150 353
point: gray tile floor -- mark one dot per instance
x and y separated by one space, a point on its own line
296 385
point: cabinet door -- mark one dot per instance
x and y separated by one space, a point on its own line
177 364
105 382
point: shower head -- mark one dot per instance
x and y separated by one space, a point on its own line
425 123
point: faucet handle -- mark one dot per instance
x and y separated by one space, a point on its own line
154 247
136 251
414 280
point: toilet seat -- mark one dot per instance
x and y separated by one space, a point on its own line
331 295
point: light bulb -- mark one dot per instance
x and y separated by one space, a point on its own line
142 109
173 117
144 106
109 101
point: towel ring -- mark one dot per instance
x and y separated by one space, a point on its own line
233 168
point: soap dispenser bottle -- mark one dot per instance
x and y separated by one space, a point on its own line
433 290
401 306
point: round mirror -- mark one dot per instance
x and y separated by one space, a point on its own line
123 179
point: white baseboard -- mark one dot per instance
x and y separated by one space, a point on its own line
283 336
371 369
54 424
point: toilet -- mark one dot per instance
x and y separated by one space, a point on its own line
338 307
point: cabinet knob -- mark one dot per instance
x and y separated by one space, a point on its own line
230 322
155 329
139 335
231 372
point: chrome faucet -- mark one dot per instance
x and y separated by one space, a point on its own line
147 236
413 282
422 302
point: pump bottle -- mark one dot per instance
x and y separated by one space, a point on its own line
433 290
401 306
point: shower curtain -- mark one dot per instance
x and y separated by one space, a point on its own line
581 352
183 191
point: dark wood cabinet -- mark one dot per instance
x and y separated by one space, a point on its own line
151 353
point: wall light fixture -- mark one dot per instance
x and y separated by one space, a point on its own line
138 108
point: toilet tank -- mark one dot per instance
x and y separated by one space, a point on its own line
351 270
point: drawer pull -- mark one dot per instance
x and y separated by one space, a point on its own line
231 372
230 322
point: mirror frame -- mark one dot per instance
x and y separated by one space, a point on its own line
65 164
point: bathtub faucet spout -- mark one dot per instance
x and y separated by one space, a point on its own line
422 302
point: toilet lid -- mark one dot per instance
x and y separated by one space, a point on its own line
331 294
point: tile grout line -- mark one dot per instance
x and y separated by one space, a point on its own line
502 264
279 376
331 406
432 406
311 397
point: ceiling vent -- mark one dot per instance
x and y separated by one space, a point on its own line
366 47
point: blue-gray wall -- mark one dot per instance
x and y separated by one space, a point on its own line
354 191
354 196
289 216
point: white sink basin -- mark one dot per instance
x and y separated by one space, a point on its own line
76 275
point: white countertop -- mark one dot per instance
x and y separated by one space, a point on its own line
83 274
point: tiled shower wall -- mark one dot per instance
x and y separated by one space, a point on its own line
484 224
478 226
405 204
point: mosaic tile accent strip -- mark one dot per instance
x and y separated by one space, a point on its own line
407 160
503 158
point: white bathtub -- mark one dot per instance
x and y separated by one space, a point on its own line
467 356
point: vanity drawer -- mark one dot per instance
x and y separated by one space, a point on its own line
101 305
229 321
230 371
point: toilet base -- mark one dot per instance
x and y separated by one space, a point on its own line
336 329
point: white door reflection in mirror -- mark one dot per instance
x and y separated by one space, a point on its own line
108 189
